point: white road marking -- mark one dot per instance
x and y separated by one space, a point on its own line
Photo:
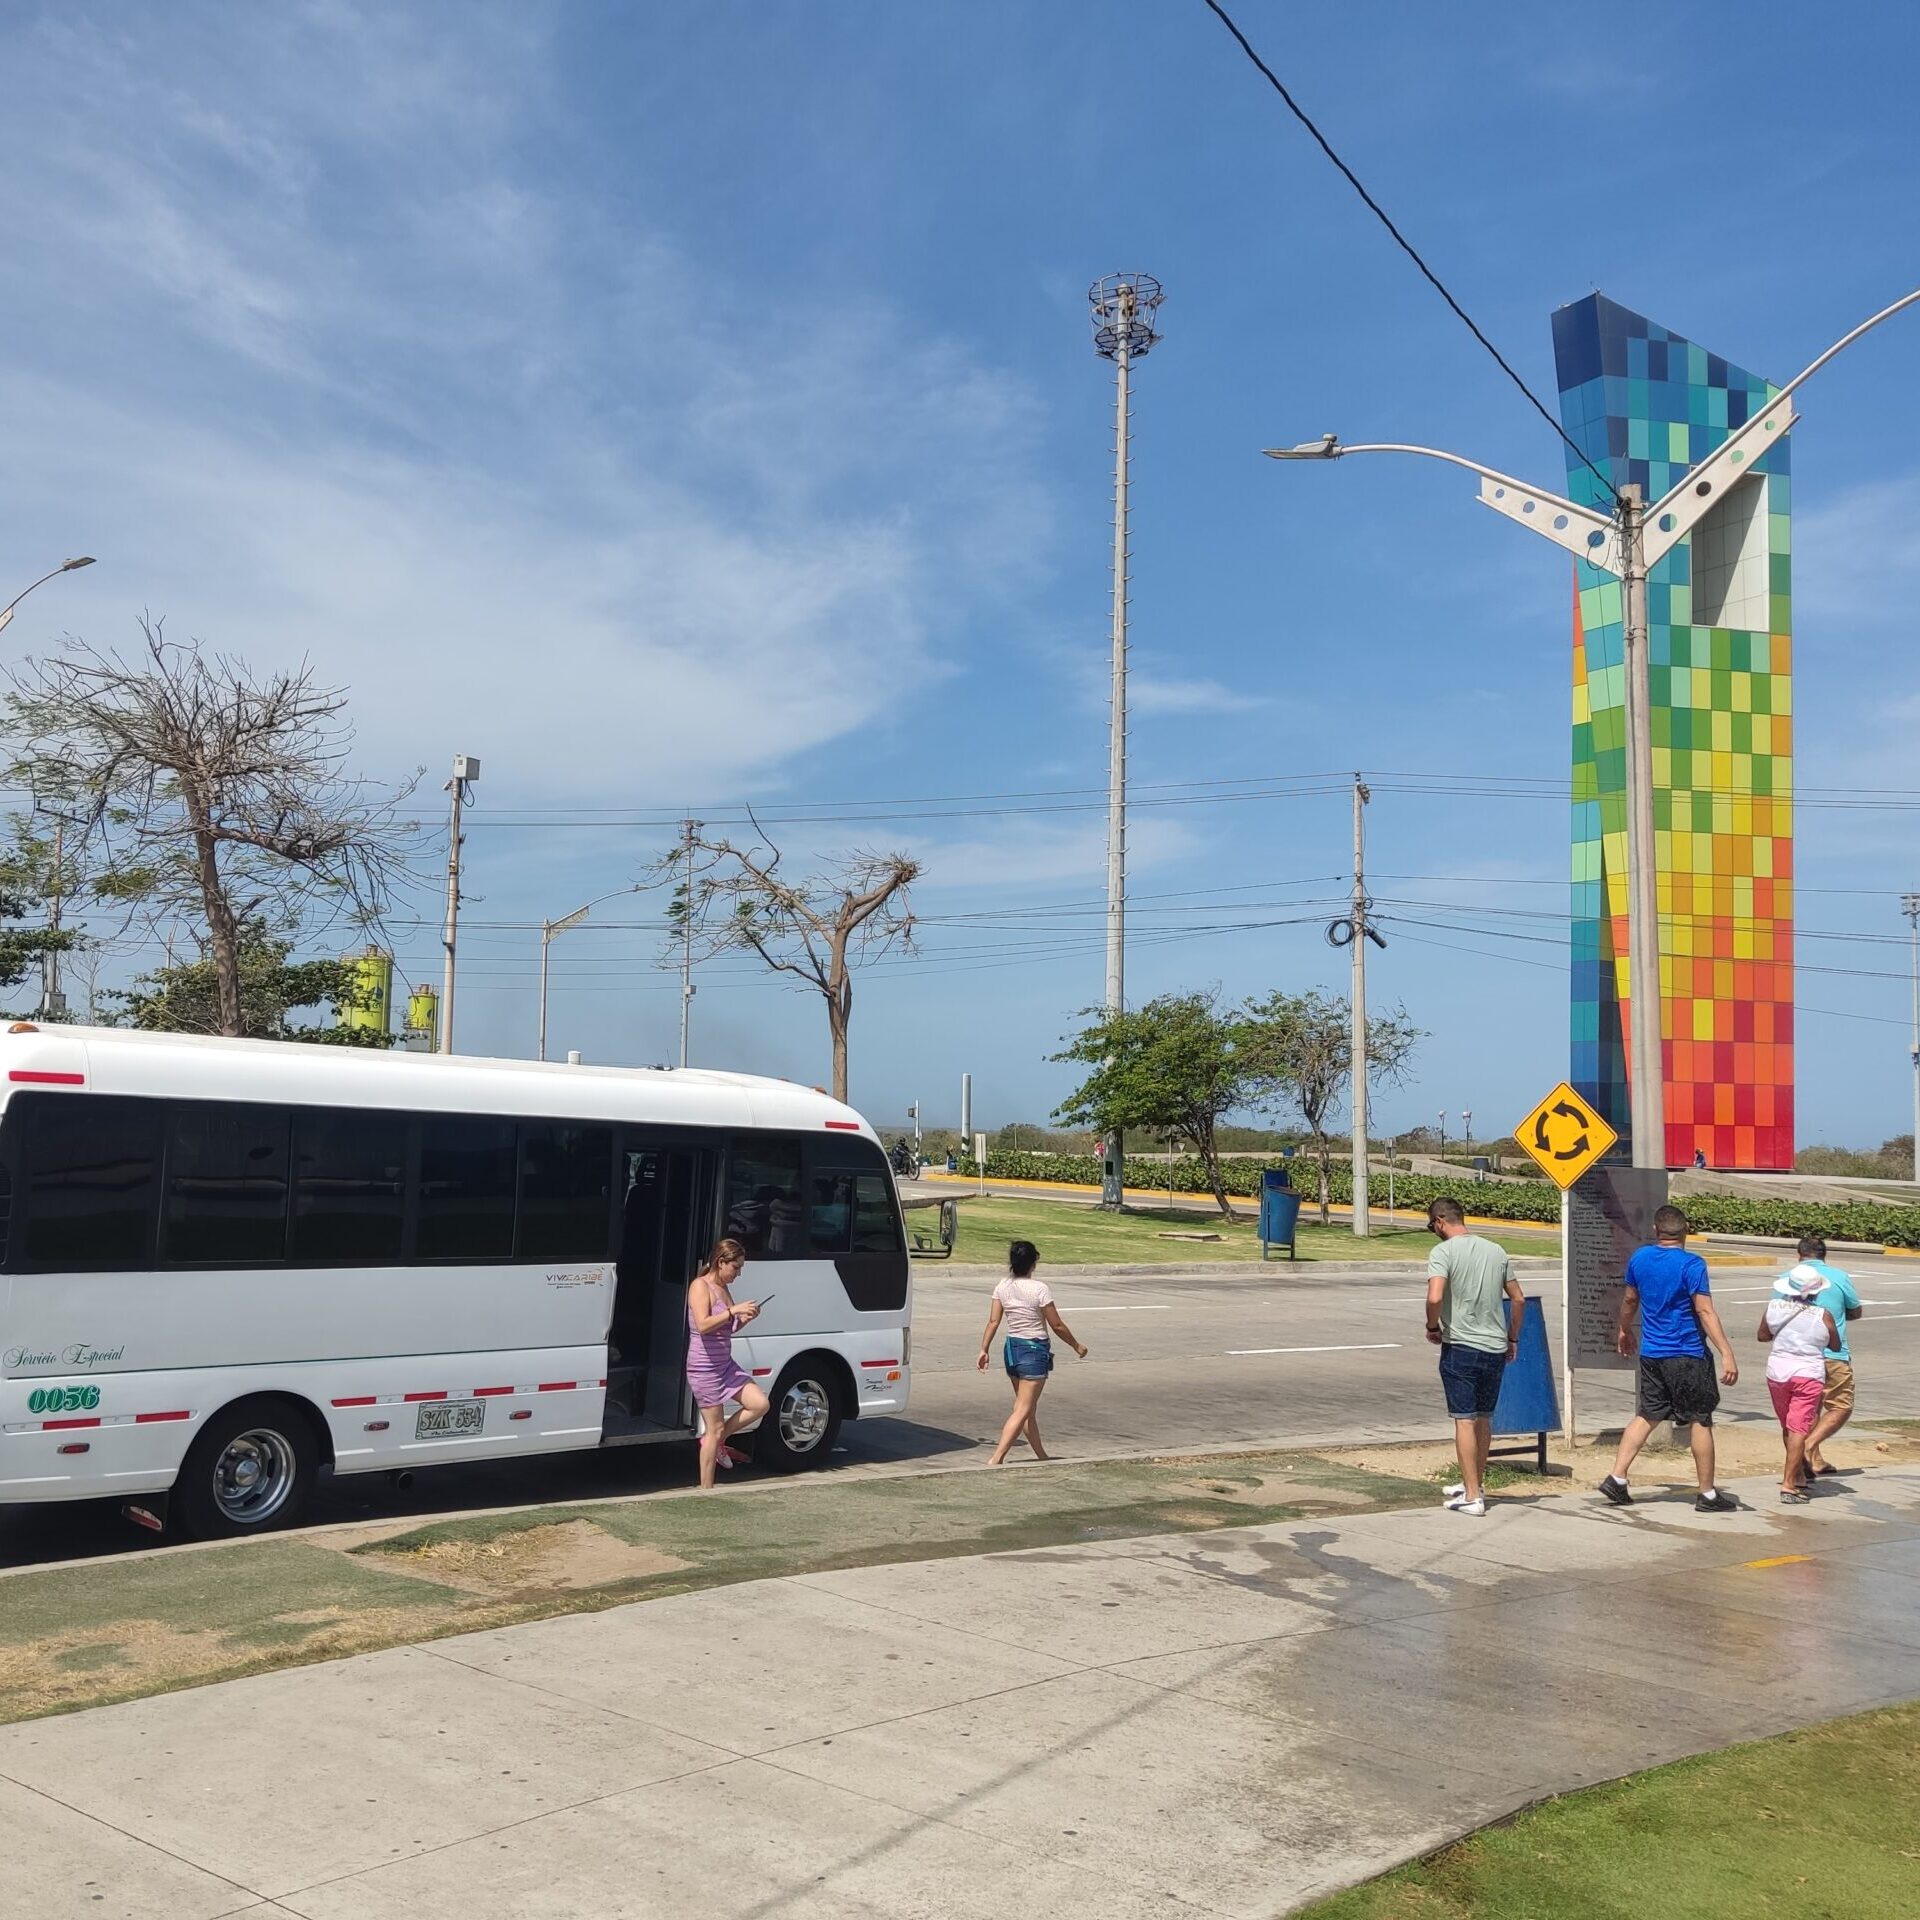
1164 1307
1371 1346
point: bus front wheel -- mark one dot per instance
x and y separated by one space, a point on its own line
803 1419
249 1471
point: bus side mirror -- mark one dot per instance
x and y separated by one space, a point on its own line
937 1245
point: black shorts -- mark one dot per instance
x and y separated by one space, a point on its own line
1681 1387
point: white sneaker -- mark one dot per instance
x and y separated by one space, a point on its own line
1454 1491
1474 1509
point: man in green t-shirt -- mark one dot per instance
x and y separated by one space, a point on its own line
1467 1278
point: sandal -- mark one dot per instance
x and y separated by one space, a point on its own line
733 1457
1795 1496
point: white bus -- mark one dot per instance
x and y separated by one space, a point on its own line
230 1263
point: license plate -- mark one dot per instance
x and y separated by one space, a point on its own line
441 1419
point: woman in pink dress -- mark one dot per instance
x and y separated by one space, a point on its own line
713 1373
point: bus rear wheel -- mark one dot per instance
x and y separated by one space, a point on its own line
250 1470
803 1419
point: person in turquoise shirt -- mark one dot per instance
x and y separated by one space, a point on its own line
1840 1298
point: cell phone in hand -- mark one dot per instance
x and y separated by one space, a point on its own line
762 1303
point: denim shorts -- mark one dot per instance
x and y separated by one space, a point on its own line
1027 1359
1472 1380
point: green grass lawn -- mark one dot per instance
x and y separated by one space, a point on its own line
1071 1234
1817 1825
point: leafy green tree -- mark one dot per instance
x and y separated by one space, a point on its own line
187 998
1172 1067
1297 1054
29 884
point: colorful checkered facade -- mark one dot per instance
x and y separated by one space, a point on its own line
1645 405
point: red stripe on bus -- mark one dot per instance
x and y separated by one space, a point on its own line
141 1419
48 1079
481 1393
760 1373
441 1395
359 1400
60 1426
844 1126
879 1363
557 1386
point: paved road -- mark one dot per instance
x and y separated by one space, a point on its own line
1186 1359
1216 1725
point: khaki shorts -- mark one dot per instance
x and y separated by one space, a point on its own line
1838 1397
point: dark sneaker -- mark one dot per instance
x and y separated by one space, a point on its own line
1716 1502
1616 1491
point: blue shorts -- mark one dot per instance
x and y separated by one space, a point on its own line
1027 1359
1471 1377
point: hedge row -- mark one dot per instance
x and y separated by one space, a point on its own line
1519 1200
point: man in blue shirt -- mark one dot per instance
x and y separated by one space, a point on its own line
1668 1287
1840 1299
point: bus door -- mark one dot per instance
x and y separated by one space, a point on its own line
666 1220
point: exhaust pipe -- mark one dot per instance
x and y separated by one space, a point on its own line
400 1479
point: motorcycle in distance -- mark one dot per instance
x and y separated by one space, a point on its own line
906 1163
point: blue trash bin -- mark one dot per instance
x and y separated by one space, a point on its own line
1279 1211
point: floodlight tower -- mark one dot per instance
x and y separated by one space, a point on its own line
1124 306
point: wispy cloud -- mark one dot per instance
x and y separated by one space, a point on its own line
322 363
1858 554
1150 695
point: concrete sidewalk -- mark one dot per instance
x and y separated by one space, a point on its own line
1214 1724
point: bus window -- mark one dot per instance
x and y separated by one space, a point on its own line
349 1187
566 1191
90 1166
466 1188
766 1212
876 1224
226 1185
830 1216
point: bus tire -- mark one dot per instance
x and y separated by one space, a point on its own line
249 1470
804 1412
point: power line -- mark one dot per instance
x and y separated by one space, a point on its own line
1406 246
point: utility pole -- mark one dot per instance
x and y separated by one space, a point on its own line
1124 305
466 770
688 829
966 1114
1353 933
1910 906
1646 1059
52 1003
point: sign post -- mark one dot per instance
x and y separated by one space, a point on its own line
1566 1139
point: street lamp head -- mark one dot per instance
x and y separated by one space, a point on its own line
84 560
1327 447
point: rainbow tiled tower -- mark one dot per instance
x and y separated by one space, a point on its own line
1645 405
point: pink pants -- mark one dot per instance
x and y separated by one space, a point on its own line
1797 1402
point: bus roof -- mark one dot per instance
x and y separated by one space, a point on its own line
194 1066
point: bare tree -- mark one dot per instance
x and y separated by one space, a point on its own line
817 928
207 791
1297 1050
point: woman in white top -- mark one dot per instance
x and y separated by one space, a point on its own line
1797 1334
1028 1310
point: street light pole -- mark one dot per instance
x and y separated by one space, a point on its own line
1123 311
548 928
1910 906
65 566
1627 543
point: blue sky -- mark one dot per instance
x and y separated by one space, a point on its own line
683 406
